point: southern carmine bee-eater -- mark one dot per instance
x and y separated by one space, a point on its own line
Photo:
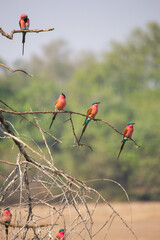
60 235
6 217
127 134
60 104
24 25
91 113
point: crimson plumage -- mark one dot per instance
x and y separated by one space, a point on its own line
24 25
6 217
60 235
59 105
91 113
128 131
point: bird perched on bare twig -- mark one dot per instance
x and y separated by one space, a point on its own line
6 217
60 235
91 113
127 134
24 25
60 104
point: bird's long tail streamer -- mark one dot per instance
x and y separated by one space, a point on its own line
6 231
122 146
23 41
23 49
84 128
54 116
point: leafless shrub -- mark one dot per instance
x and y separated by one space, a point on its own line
47 197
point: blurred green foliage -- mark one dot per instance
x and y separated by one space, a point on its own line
126 80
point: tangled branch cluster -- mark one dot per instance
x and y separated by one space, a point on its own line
48 198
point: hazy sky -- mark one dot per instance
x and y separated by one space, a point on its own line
85 24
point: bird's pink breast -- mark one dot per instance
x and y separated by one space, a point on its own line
61 103
7 216
129 131
94 110
61 235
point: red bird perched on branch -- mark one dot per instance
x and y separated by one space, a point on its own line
60 104
24 25
91 113
127 134
60 235
6 217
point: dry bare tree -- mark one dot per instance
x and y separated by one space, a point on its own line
47 198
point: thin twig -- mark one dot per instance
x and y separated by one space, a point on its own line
16 70
40 112
131 139
76 139
56 139
46 144
70 112
117 183
10 36
73 128
20 226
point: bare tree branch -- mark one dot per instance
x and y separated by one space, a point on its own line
100 120
70 112
77 143
20 226
56 139
72 194
11 163
16 70
10 36
40 112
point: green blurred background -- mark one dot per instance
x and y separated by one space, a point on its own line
125 79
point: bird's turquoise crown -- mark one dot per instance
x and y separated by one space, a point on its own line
64 95
61 230
95 103
129 123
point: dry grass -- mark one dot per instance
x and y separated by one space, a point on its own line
146 221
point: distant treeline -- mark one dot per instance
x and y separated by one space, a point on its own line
126 80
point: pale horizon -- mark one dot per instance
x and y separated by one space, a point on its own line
88 25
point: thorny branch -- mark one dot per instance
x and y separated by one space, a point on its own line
16 70
10 36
